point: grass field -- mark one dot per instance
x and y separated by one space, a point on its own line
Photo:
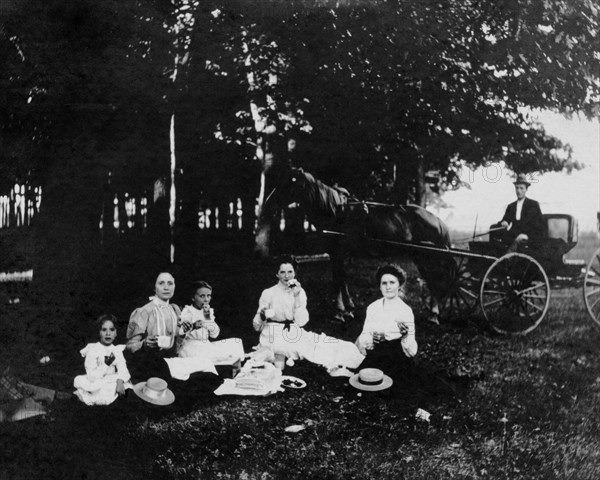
519 408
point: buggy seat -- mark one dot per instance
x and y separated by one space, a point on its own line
562 231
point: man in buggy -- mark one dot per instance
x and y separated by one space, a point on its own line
522 224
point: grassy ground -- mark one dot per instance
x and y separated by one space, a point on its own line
519 408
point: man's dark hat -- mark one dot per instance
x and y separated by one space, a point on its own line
521 179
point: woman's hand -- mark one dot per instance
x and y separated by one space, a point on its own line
378 337
295 286
151 342
403 330
120 388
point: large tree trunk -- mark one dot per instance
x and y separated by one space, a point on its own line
66 232
68 272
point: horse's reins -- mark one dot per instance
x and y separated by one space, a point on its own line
482 234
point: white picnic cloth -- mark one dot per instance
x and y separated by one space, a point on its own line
273 385
219 351
182 368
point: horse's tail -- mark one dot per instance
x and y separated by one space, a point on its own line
444 232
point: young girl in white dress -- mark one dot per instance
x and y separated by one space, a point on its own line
198 320
106 376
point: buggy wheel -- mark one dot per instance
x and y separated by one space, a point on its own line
591 287
515 294
463 293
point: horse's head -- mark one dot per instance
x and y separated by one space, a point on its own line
293 188
282 192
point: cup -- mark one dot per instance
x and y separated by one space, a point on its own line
378 337
163 341
269 313
279 361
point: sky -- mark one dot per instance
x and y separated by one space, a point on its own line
491 190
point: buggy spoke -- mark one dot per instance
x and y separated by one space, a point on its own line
591 290
529 289
493 302
468 292
531 304
541 297
595 303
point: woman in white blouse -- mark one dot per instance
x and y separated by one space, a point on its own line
280 319
388 335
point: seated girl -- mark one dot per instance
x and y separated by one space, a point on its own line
199 320
106 375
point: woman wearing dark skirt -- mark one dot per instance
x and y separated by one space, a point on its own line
388 340
388 335
154 333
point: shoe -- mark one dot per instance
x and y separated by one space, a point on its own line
339 372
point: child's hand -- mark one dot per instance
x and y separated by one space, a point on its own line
187 326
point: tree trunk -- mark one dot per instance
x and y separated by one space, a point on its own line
68 268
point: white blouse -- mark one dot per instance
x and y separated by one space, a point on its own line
385 316
286 305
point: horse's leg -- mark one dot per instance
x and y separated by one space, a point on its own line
432 274
434 310
338 276
346 297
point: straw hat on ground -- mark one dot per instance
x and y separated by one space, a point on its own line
371 380
154 391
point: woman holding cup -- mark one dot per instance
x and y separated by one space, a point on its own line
154 331
388 335
282 313
280 319
154 335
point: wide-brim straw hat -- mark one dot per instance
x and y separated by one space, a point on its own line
371 380
154 391
521 178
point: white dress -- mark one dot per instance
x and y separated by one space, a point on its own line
99 385
284 335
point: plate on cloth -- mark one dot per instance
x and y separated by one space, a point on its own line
288 381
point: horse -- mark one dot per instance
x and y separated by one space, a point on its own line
358 228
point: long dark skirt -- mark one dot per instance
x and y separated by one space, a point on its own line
146 363
413 384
